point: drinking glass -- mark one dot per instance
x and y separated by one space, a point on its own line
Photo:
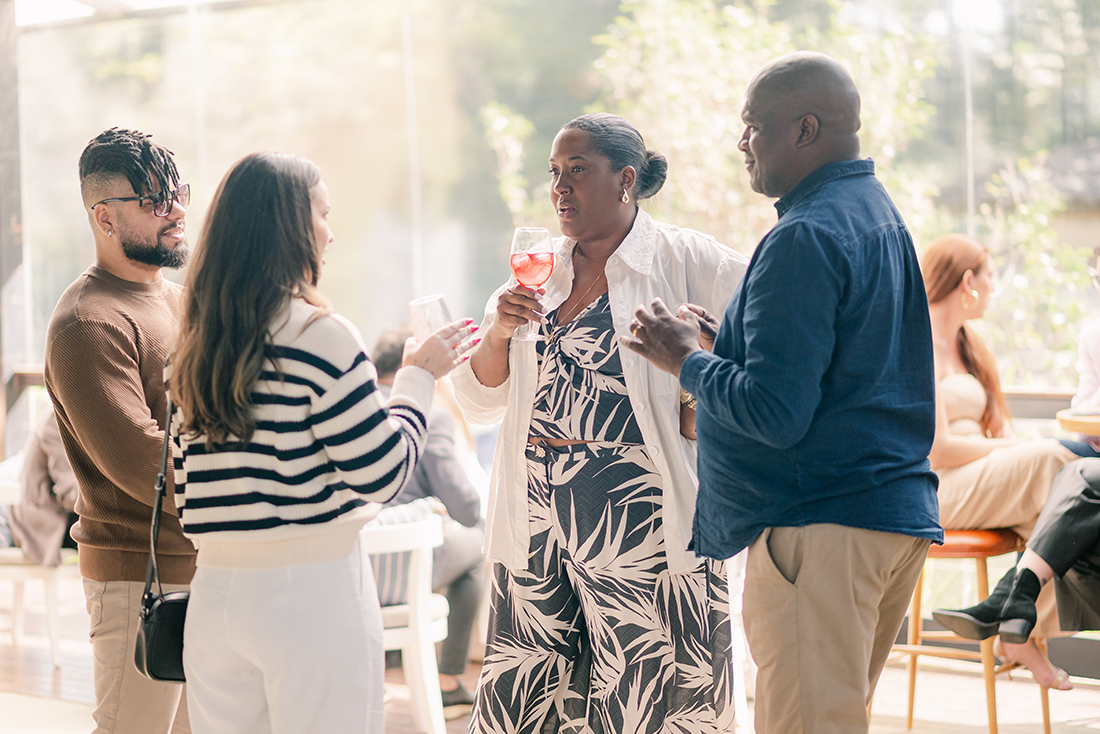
532 261
429 315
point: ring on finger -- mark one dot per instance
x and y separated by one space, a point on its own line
635 329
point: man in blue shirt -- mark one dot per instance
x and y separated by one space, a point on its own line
815 411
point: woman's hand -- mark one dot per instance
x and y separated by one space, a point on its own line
442 351
515 307
708 325
438 508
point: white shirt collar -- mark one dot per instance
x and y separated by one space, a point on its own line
636 251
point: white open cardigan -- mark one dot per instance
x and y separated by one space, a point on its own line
655 260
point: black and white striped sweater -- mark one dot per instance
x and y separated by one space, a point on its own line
326 444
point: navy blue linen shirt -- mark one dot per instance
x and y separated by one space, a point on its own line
818 403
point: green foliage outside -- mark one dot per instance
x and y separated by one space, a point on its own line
507 133
493 81
1043 288
678 70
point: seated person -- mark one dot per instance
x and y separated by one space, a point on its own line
1065 546
40 523
458 566
1087 398
988 477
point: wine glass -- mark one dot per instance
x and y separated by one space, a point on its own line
532 261
429 314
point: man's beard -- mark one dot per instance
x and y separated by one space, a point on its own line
156 254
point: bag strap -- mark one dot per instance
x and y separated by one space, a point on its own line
151 571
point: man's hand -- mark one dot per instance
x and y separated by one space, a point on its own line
708 325
663 338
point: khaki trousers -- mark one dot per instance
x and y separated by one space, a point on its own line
822 606
126 701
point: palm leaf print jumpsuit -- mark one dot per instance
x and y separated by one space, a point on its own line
597 635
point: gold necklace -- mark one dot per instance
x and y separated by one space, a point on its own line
562 322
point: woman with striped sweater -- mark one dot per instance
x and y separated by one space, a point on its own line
281 441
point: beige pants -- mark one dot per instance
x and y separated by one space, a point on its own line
1006 488
126 701
822 606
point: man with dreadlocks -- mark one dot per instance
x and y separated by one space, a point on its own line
105 351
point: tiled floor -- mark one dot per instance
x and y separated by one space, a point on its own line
36 698
953 702
947 702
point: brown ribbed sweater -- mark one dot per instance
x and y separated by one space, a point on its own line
105 350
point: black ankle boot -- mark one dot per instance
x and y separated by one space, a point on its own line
981 620
1019 609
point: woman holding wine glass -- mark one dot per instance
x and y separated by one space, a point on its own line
281 441
601 617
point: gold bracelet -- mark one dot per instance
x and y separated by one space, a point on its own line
687 399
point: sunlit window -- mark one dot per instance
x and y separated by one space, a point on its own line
432 122
28 12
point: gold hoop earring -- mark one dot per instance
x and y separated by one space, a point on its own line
970 306
625 198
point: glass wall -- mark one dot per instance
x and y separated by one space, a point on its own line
432 121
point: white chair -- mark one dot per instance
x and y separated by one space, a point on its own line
17 567
415 627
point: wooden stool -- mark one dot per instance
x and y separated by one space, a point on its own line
979 545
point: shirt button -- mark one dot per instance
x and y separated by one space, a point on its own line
654 449
630 363
615 286
641 407
621 320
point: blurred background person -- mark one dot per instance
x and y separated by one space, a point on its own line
1065 546
1087 397
458 566
989 478
40 523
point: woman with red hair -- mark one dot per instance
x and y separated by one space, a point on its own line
988 477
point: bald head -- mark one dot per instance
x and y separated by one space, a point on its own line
808 106
814 84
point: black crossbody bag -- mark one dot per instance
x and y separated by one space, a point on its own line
158 653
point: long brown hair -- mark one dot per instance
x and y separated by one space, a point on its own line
943 265
256 252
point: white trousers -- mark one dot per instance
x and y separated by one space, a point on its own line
293 650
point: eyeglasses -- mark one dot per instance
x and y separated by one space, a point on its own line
163 201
